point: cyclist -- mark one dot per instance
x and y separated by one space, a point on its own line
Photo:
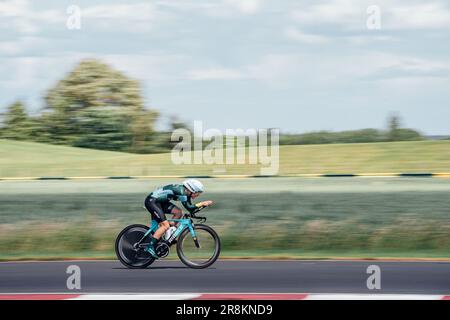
159 202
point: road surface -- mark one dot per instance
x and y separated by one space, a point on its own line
228 276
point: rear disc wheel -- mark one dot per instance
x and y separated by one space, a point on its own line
127 253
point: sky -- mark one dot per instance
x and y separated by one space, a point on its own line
295 65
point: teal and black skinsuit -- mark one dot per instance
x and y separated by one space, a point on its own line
159 202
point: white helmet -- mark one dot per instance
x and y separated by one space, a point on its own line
193 185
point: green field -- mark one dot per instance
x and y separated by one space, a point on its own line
270 217
27 159
274 217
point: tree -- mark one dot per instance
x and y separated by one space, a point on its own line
393 127
103 130
396 133
176 123
16 124
405 134
96 99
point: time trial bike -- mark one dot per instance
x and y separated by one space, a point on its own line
198 245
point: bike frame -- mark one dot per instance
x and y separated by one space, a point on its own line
183 224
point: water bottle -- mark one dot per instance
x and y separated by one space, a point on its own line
169 233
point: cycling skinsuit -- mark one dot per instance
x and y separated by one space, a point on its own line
159 202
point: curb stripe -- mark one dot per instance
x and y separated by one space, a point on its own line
416 174
197 177
221 296
306 175
162 296
345 296
266 176
442 175
120 177
254 296
38 296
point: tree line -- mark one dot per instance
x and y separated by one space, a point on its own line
394 132
97 107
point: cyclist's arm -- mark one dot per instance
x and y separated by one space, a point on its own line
187 203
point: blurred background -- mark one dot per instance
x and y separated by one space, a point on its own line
94 89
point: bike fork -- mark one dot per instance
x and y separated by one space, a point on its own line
194 236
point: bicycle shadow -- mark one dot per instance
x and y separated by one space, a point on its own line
162 268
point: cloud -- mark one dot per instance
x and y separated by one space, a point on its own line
324 71
395 15
411 67
275 69
297 35
138 17
342 12
13 8
216 73
20 16
368 39
215 9
30 71
244 6
21 45
151 67
430 15
270 69
27 18
129 11
9 48
373 67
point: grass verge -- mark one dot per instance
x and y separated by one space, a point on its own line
28 159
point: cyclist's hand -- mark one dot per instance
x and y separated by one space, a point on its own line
204 203
207 203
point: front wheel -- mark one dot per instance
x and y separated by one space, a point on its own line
199 253
127 252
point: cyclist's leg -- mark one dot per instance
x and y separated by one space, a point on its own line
155 210
176 212
163 226
157 213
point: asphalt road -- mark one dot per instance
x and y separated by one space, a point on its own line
228 276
